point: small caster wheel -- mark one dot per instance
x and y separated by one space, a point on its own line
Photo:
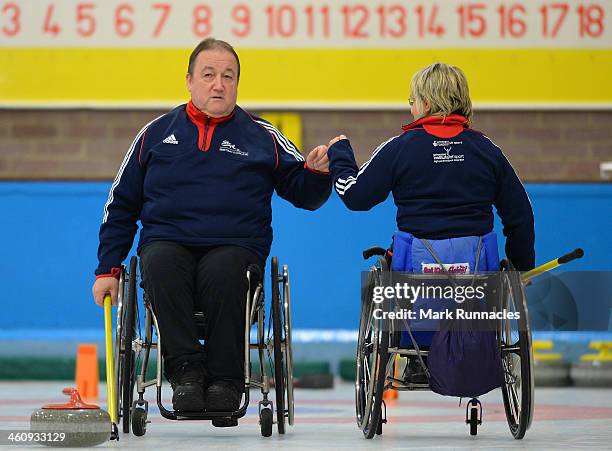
473 415
139 422
473 421
265 422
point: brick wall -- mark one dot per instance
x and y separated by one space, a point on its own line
84 144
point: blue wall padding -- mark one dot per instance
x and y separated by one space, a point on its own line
50 233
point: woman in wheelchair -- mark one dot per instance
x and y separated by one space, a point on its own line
445 177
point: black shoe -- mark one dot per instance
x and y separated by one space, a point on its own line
225 422
223 396
188 386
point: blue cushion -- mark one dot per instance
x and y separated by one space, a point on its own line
410 255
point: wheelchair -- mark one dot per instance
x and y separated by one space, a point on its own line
132 351
379 345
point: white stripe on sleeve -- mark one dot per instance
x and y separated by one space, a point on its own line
283 141
124 163
342 185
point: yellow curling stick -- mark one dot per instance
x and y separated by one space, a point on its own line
110 371
576 253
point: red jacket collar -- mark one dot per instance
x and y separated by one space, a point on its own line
440 126
199 117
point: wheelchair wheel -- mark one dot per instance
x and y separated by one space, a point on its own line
265 422
288 348
516 354
372 356
139 422
473 421
118 351
277 337
127 358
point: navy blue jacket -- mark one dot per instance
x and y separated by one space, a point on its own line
445 178
202 181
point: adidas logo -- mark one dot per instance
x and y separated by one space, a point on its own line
171 139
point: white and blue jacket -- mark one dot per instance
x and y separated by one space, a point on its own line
202 181
445 178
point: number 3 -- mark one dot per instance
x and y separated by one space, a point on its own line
14 19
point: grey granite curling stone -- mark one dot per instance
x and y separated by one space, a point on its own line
550 369
551 373
594 370
593 373
74 424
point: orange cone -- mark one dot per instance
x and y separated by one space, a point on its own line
87 378
389 395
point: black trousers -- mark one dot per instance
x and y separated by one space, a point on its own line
180 280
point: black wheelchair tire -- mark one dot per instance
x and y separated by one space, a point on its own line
118 351
473 421
375 426
277 336
265 422
139 422
128 366
372 424
518 426
288 357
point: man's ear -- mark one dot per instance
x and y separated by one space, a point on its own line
427 107
188 81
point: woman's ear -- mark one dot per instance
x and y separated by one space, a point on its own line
426 107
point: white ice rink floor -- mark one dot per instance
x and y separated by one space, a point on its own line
564 418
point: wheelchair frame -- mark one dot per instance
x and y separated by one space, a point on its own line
130 345
378 346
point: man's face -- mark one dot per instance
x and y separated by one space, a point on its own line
214 83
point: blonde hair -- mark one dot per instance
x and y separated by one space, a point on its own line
445 88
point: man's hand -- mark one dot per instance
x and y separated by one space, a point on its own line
317 159
335 140
104 286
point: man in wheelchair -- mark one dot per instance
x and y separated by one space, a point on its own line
445 178
200 179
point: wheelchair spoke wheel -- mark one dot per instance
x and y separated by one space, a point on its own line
516 354
287 343
119 343
128 363
372 356
277 337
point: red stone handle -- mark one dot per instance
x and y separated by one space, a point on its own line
75 401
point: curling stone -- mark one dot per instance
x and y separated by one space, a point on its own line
315 381
594 370
550 370
314 374
82 424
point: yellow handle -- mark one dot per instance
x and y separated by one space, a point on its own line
576 253
539 270
110 362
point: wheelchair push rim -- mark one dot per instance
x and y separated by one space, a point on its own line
516 354
371 360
